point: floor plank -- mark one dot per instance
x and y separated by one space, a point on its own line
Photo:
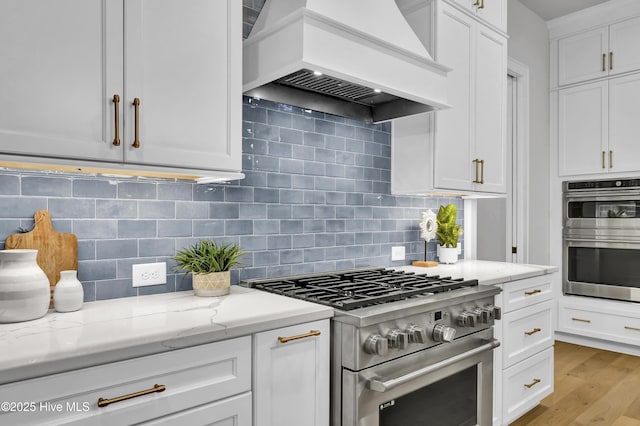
591 386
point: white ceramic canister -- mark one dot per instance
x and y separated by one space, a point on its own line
24 287
68 294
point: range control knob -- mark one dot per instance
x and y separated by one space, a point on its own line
416 334
443 333
467 319
376 345
398 339
483 314
497 312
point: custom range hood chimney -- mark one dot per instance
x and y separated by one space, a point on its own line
354 58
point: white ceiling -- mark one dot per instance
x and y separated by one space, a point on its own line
549 9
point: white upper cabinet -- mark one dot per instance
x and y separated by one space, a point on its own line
61 64
601 52
493 12
461 150
598 127
66 64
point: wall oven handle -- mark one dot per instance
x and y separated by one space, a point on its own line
385 385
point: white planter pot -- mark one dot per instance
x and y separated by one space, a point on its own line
212 284
24 287
447 254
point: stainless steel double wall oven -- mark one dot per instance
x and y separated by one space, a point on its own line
601 239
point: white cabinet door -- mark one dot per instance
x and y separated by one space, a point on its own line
583 129
583 56
623 45
61 64
624 123
453 165
494 12
183 64
291 379
491 111
234 411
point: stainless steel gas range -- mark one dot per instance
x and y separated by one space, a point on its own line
407 349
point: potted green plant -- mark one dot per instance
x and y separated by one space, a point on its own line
448 233
209 264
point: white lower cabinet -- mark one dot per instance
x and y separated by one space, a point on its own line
523 364
234 411
291 381
601 319
189 379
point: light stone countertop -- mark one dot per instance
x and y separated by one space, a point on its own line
117 329
486 272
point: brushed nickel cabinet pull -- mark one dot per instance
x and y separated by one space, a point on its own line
580 320
116 137
611 159
529 293
610 60
603 154
136 108
532 384
627 327
534 331
604 58
299 336
476 164
103 402
482 171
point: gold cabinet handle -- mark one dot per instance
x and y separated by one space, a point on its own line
611 159
482 171
604 58
136 108
476 3
481 4
603 154
299 336
476 161
627 327
534 331
529 293
116 137
103 402
532 384
610 60
580 320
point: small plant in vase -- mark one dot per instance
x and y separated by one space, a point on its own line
448 233
209 264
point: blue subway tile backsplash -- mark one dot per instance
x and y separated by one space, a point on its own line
316 197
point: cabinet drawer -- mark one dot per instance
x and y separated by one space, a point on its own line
527 292
619 326
526 384
235 411
192 376
526 332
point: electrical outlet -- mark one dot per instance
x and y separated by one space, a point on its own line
149 274
397 253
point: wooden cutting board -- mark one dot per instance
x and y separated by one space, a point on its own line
56 251
424 263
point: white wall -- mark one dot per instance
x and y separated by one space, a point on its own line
529 44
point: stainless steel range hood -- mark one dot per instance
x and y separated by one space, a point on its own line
354 58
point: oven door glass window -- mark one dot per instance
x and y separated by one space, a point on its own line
604 266
602 209
450 401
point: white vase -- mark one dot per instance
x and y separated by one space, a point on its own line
24 287
447 254
68 294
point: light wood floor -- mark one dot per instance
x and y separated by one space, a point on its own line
592 387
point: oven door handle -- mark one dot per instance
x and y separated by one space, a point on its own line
379 385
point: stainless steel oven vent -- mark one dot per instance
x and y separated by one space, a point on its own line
307 79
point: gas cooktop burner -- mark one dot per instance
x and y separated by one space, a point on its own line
348 290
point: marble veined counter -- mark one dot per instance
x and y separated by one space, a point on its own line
484 271
113 330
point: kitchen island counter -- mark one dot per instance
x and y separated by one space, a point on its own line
486 272
118 329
